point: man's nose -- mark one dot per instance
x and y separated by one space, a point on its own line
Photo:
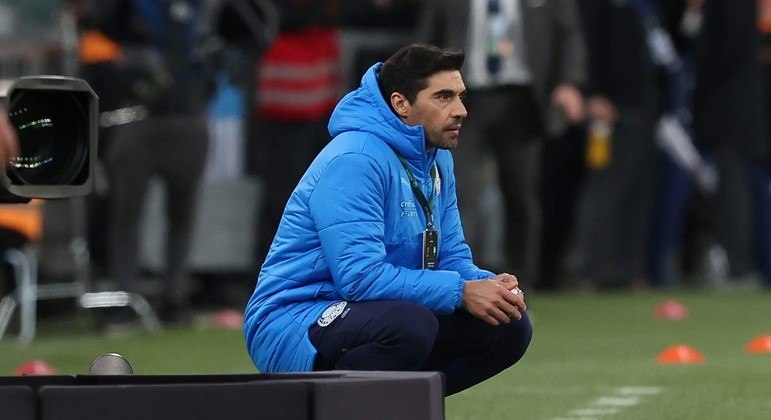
460 110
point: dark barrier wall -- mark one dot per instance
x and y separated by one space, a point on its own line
17 402
258 400
317 396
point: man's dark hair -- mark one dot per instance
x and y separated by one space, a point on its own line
409 68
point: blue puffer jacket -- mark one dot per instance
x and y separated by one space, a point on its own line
352 231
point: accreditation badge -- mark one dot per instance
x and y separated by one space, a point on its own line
430 249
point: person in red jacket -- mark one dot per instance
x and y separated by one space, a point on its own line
298 84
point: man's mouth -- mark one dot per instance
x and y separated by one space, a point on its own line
454 129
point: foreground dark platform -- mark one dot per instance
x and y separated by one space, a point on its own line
319 396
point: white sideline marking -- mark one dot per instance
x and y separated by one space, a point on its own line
613 403
617 401
576 418
638 390
594 411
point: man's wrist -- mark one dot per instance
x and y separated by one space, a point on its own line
460 303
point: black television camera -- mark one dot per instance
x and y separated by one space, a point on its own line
56 120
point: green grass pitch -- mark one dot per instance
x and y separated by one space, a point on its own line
592 357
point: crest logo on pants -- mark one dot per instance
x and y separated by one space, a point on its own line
332 312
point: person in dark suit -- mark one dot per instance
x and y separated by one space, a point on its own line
624 99
163 68
526 62
729 121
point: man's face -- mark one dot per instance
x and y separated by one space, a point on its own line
439 109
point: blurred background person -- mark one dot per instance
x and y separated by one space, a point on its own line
245 28
730 125
680 238
298 84
762 168
162 74
624 101
526 63
98 63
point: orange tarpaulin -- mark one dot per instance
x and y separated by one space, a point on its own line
26 219
95 47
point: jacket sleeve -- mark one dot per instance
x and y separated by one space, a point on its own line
573 47
454 252
595 17
348 208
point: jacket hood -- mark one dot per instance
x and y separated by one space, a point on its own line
366 110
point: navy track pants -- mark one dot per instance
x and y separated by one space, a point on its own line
401 335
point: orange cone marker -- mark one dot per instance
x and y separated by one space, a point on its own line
760 345
680 354
34 367
671 310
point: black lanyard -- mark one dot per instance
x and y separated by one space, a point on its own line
426 204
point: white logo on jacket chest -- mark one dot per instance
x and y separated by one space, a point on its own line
408 209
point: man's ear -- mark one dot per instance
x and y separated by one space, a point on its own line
400 104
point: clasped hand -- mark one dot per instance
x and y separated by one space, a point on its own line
492 299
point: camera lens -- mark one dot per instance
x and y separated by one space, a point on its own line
52 129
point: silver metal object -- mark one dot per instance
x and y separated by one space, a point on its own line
111 364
